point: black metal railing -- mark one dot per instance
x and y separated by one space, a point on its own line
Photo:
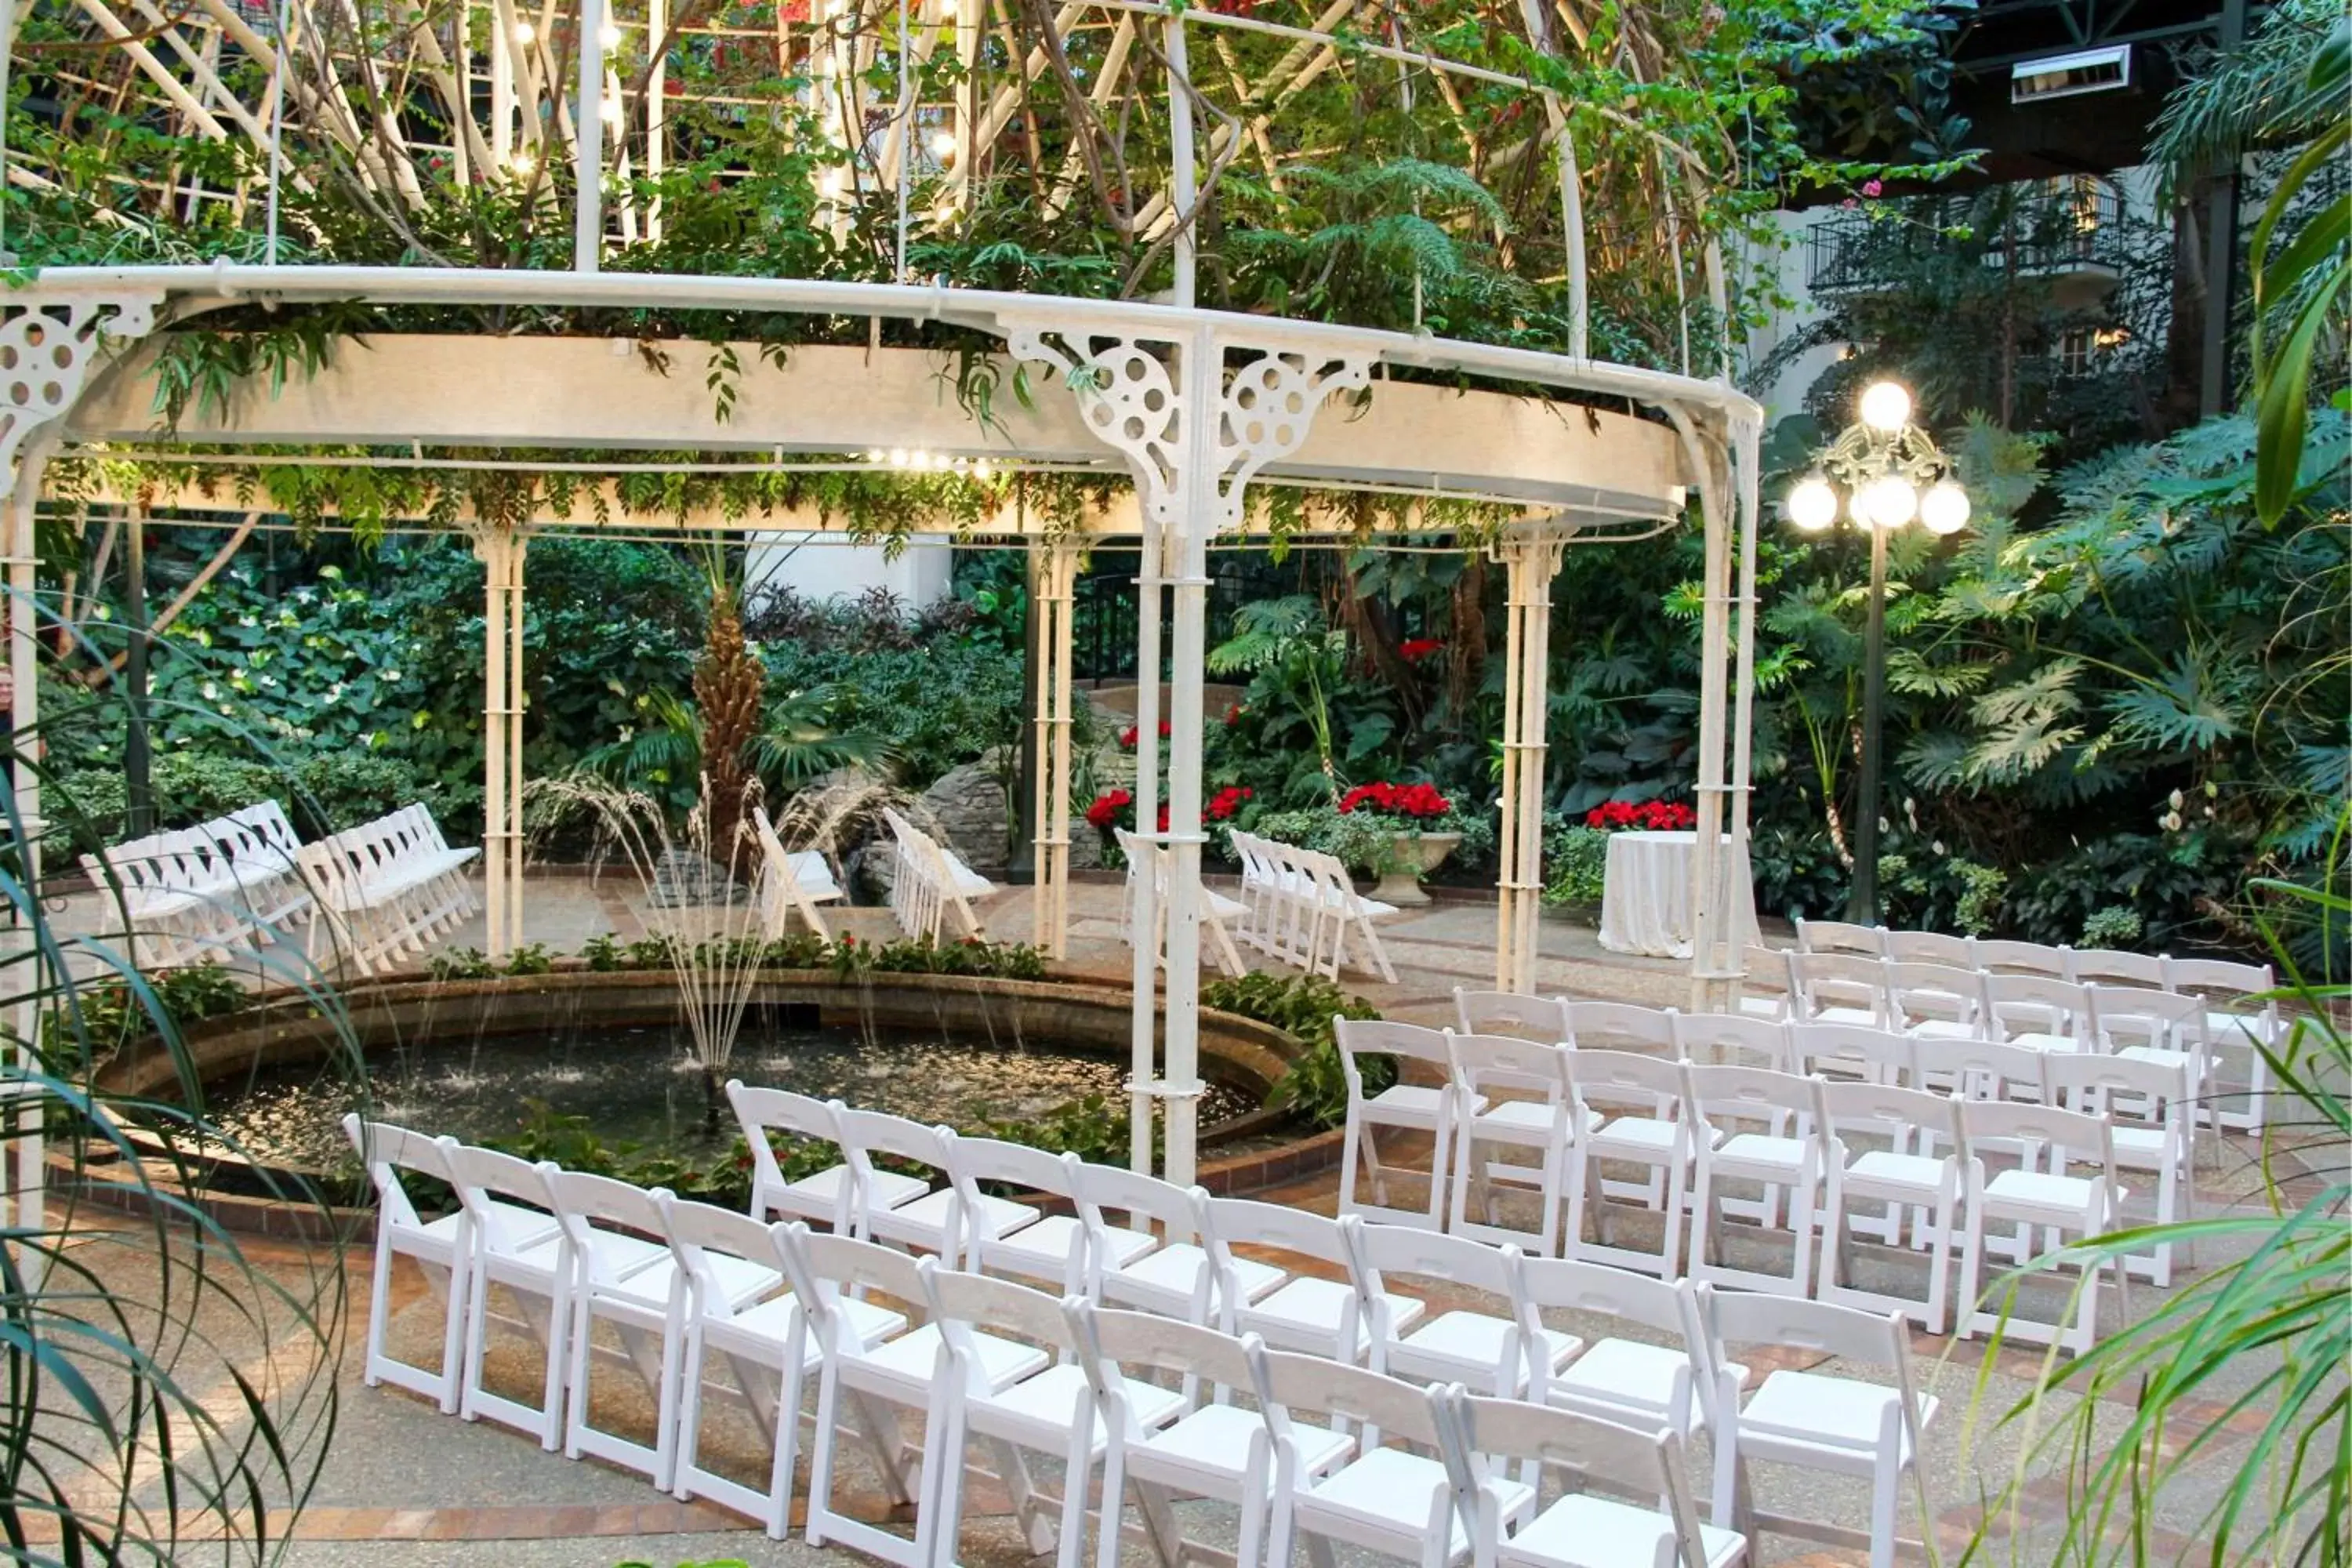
2057 226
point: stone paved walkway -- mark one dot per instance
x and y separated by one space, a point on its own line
403 1486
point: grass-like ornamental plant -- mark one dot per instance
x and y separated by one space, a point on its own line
2253 1351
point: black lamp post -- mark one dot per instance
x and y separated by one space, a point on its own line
1883 472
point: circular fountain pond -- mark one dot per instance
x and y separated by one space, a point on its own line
476 1059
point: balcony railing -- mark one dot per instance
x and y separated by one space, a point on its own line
2062 227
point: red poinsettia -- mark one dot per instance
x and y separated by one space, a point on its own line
1234 714
1227 800
1420 647
1127 737
1421 802
1649 816
1113 809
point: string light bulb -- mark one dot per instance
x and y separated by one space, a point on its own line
525 33
944 143
608 37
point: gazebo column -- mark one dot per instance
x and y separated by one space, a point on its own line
500 551
1714 958
1192 440
22 1183
1531 563
1056 575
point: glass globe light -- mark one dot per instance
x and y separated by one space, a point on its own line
1812 505
608 37
1945 508
1888 503
1886 406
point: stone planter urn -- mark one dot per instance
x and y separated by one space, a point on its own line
1412 856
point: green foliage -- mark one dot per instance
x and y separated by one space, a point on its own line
1576 862
112 1014
1303 1005
2116 926
321 792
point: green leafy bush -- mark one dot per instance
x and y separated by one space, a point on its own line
1576 862
321 792
1303 1005
111 1016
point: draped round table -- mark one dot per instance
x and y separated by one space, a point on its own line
1645 903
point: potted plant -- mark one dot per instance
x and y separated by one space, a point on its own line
1414 818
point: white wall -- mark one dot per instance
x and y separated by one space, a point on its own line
827 569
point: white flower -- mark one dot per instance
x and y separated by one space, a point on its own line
211 691
2172 822
2174 800
247 621
1937 845
391 675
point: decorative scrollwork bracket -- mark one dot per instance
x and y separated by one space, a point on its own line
49 345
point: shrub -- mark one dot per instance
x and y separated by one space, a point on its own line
1303 1005
1576 865
112 1016
322 792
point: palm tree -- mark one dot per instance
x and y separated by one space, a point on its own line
788 744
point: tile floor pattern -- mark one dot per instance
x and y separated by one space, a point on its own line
404 1486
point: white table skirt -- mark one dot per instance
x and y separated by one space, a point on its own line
1646 901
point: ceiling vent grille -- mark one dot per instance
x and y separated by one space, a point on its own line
2068 76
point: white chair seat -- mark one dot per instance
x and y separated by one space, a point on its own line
1862 1017
1048 1398
887 1190
1215 1437
2235 1028
2159 1056
1176 1270
1909 1169
1471 1340
1945 1029
814 876
2145 1148
517 1227
1759 1149
1223 908
930 1213
2036 1040
1525 1116
1409 1099
1313 1307
911 1361
1046 1246
968 882
1771 1009
1840 1410
772 1320
741 1278
1626 1373
1584 1529
2071 1195
1388 1489
1643 1134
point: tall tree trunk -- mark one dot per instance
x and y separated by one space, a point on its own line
728 684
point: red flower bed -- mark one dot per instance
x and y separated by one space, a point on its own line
1420 801
1651 815
1227 800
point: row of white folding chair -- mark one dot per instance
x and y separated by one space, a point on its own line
1301 908
1217 912
1695 1125
592 1256
388 886
188 893
2241 1008
929 883
790 882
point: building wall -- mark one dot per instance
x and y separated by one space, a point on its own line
818 567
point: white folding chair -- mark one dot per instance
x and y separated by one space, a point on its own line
1542 1120
626 1276
519 1247
1216 1450
1645 1126
1932 947
1618 1025
2053 1201
878 1385
2106 966
1736 1039
1640 1382
1936 999
936 1222
1979 1069
1996 955
1767 982
1840 988
1127 1265
2038 1013
250 844
1869 1127
2241 1013
1217 912
1047 1249
1401 1107
2162 1027
2151 1107
1489 1351
831 1196
1349 915
765 1346
1652 1523
1543 1018
1052 1412
790 883
1838 1051
1391 1499
441 1248
1841 936
1316 1303
1740 1119
1819 1421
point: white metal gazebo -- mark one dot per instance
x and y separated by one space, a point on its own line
1191 405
